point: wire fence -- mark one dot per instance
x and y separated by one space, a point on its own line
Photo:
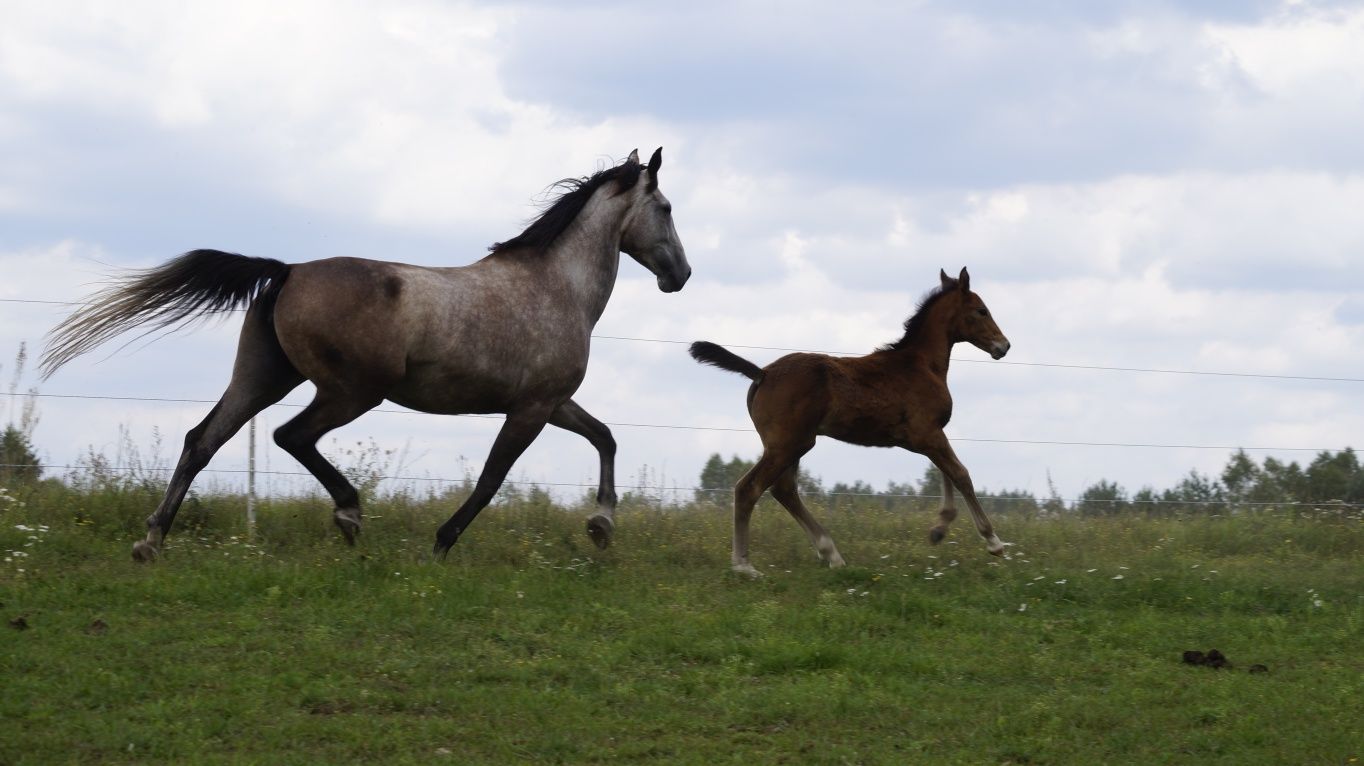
1050 365
679 427
658 489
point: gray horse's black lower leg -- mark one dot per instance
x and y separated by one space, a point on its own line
261 376
601 526
516 435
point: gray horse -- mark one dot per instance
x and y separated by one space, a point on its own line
509 333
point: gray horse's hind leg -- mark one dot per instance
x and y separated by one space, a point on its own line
261 376
601 527
327 411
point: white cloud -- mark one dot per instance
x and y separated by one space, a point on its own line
1302 47
393 112
1235 230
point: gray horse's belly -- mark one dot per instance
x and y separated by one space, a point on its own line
455 391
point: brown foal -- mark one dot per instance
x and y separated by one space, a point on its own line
894 397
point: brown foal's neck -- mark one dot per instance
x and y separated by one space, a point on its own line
930 345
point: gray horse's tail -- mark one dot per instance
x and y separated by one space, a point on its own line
196 284
713 354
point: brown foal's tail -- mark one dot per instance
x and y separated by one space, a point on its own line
706 352
199 282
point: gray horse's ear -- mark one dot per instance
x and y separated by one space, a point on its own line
634 157
964 280
946 280
656 161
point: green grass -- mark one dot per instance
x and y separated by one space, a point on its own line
528 645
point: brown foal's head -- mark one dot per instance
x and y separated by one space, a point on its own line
970 320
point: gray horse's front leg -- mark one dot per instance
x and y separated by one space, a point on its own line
601 527
519 430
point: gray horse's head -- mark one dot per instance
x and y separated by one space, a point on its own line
649 235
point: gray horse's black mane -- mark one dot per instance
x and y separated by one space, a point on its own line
564 207
920 315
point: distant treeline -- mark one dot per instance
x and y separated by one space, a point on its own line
1332 478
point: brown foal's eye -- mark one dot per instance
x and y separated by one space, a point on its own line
983 312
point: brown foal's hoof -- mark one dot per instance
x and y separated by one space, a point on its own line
601 530
144 552
935 535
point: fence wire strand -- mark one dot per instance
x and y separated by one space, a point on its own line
677 427
662 489
1049 365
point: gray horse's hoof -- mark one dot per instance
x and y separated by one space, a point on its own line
601 529
935 535
348 521
746 570
144 552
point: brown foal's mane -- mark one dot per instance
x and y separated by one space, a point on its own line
919 317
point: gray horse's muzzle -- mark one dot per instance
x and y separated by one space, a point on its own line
672 282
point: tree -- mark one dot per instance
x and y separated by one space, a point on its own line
1104 498
1240 476
719 477
1333 477
1279 483
930 484
1146 501
1198 493
18 463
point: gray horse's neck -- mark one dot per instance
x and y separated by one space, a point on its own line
586 256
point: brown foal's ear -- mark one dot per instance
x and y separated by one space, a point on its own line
634 157
946 280
964 281
656 161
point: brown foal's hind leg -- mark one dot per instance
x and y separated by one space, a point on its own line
601 527
261 376
940 452
746 493
946 514
328 411
787 493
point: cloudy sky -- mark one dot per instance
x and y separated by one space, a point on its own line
1172 186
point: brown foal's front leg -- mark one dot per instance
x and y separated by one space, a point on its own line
939 450
946 514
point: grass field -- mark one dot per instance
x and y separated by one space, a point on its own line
528 645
